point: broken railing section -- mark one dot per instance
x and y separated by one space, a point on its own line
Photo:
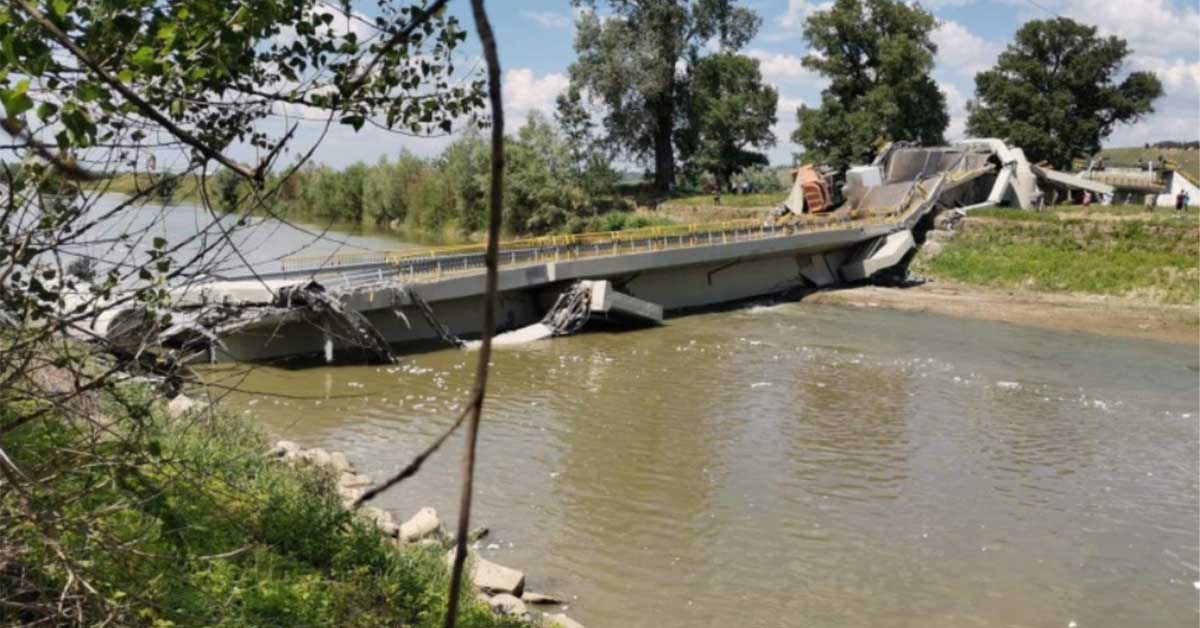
442 330
577 305
334 317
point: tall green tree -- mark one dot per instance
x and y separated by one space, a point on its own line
1054 93
877 55
591 157
733 112
637 60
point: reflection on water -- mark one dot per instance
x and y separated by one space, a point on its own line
798 465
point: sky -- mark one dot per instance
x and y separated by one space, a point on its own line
535 40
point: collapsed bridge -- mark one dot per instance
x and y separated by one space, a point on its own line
382 300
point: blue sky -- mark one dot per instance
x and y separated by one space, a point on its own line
535 40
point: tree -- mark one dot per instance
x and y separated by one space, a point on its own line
93 88
591 157
1053 91
877 55
733 111
637 61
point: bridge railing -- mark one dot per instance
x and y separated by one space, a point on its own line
439 260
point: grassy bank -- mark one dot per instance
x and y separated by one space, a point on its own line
1188 159
770 199
1121 251
157 522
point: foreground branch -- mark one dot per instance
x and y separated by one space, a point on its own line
488 41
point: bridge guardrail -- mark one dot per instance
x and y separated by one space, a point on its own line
577 245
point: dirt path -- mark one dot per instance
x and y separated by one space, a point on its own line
1107 316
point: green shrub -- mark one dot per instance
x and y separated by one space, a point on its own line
186 523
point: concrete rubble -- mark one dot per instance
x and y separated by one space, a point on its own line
500 588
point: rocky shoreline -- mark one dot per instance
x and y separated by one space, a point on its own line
499 587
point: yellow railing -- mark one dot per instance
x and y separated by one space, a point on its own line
600 243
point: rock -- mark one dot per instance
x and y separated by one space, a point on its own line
348 494
284 449
181 405
421 525
932 249
483 598
938 235
477 533
491 577
530 597
505 604
316 456
559 621
353 480
495 578
339 463
383 520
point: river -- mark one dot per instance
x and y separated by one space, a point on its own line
801 465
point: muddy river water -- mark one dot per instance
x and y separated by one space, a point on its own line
801 465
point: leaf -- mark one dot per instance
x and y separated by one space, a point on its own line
144 56
46 110
16 101
61 8
160 243
125 76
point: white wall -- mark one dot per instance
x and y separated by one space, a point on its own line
1178 184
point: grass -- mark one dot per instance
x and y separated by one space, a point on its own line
1153 258
186 523
731 200
1188 159
187 189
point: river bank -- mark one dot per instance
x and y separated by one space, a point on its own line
172 514
1094 314
1114 271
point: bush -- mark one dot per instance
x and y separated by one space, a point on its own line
186 523
545 190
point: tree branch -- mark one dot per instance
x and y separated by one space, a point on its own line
150 112
488 40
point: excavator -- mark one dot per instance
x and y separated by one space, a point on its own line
814 191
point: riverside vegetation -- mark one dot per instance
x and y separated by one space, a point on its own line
182 521
1116 251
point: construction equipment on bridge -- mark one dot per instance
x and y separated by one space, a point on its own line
814 190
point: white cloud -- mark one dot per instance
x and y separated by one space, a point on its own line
785 123
524 92
1180 78
781 67
798 11
550 19
956 108
1152 27
963 51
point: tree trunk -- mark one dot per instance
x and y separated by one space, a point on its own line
664 150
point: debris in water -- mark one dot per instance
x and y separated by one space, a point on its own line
1008 385
760 384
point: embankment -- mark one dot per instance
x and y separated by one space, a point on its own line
1115 271
129 511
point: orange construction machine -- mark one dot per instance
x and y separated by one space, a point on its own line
813 190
